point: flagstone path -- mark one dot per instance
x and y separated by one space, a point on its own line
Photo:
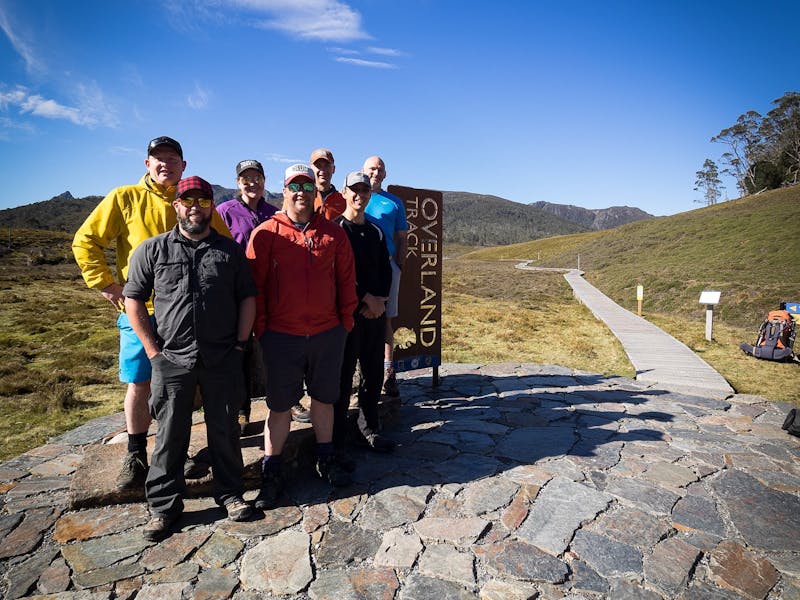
511 481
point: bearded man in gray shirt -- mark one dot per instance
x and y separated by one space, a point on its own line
204 306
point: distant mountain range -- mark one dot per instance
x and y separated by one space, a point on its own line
470 219
482 220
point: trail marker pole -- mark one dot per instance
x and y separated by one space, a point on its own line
709 298
639 298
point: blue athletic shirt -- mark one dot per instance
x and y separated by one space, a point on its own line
387 212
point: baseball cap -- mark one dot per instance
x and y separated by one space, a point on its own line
296 171
194 183
164 141
249 164
321 153
356 177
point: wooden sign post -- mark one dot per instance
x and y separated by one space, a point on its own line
418 326
639 298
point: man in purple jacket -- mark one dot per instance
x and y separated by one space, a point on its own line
242 215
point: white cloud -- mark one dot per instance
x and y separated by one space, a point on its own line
385 51
280 158
93 106
198 99
91 111
9 126
347 51
374 64
323 20
22 46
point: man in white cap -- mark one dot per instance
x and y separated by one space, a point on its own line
303 268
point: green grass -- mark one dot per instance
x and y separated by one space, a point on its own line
493 312
748 249
58 345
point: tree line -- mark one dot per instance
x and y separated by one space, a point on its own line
763 151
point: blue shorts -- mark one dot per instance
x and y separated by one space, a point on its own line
134 366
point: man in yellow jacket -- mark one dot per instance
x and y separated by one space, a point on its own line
128 215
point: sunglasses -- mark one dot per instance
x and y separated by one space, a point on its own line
201 202
301 187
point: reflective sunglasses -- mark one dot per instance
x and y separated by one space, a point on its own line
301 187
201 202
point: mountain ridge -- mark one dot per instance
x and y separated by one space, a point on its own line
470 219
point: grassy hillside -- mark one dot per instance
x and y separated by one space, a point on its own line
480 220
749 249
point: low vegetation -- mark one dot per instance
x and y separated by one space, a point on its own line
57 343
494 313
746 248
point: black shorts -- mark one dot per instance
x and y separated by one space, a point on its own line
294 360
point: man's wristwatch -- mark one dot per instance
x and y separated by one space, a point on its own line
240 345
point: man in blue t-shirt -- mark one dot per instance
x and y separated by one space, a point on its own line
388 212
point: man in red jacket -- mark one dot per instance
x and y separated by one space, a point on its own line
303 268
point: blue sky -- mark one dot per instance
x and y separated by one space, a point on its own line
587 103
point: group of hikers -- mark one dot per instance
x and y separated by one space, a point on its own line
314 284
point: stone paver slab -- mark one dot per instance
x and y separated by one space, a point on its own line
735 568
559 509
443 561
278 565
519 560
768 519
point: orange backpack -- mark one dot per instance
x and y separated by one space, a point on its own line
775 337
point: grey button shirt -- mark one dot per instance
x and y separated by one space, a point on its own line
197 289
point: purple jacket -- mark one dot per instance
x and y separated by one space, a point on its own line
241 220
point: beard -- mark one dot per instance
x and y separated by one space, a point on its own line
194 227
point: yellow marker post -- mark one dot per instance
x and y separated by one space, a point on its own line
639 298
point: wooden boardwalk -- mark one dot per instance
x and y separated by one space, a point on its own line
657 356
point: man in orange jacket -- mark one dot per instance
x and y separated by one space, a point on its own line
303 268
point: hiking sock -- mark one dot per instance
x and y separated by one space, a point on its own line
137 443
271 462
325 449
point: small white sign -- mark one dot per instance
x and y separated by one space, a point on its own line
708 297
639 292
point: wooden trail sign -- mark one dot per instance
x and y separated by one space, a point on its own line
418 326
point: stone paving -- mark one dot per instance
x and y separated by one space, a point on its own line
511 481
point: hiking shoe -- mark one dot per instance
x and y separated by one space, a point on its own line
390 383
159 527
378 443
194 468
133 472
301 414
238 510
332 472
244 421
271 487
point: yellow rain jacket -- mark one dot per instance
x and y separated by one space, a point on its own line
128 215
